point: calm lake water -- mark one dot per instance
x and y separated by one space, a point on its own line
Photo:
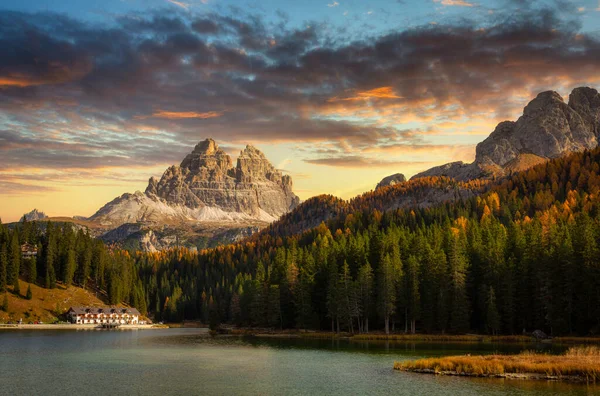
189 362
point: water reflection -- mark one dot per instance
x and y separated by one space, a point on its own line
189 361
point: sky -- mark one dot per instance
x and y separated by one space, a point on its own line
98 96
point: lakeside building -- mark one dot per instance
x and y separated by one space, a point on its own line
28 251
106 315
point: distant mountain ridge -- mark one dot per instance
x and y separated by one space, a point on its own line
549 128
206 187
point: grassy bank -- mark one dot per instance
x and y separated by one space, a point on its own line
46 305
577 364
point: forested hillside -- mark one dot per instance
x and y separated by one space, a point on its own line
67 257
522 256
424 192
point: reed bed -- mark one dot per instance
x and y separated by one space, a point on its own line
578 363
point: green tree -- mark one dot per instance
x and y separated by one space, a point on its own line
16 285
492 317
387 290
459 305
14 260
32 270
365 285
69 267
413 296
29 294
5 303
3 267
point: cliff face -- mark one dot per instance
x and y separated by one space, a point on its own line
207 187
548 128
391 180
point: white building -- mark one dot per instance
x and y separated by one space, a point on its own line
107 315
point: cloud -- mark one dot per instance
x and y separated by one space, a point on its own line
173 115
459 3
355 161
376 93
12 188
181 4
80 95
334 4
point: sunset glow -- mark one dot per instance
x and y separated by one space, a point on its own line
93 102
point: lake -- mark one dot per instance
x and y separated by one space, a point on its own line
189 362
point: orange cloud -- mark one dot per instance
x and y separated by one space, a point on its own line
175 115
378 93
15 82
460 3
181 4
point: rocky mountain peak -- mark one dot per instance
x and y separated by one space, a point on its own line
542 101
391 180
34 215
253 166
206 186
548 128
207 157
586 102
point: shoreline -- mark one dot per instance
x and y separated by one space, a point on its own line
512 376
433 338
16 327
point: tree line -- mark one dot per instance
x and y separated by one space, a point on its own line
520 257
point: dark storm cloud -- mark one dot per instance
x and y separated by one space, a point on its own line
98 89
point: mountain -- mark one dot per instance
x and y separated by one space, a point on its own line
549 128
525 250
34 215
205 189
391 180
421 193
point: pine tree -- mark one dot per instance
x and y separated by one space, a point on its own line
304 294
69 267
459 305
333 298
387 290
5 303
29 295
413 298
274 308
3 267
492 317
346 297
16 286
365 284
14 259
32 271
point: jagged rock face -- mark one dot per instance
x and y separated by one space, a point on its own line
206 187
206 178
391 180
34 215
548 128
